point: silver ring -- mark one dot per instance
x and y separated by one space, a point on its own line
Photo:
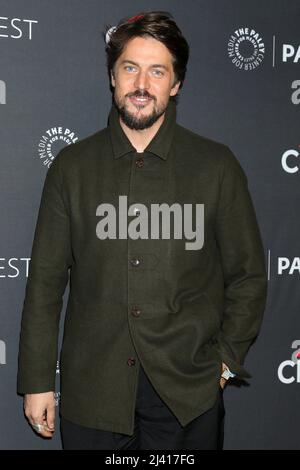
38 427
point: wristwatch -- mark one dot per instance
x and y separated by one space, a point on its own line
227 374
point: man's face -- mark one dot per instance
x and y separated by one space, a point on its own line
143 79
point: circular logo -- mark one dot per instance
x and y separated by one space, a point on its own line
246 49
53 140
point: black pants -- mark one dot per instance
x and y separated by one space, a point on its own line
156 427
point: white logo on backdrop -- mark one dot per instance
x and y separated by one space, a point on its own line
289 161
295 97
285 266
246 49
290 53
2 352
289 371
52 141
13 267
2 92
16 28
288 266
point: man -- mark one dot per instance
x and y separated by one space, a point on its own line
155 323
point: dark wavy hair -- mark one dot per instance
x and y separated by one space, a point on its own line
157 24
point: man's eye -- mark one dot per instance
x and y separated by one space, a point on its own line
129 68
158 73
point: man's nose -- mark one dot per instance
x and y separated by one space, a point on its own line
142 80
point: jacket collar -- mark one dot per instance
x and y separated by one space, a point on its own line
159 145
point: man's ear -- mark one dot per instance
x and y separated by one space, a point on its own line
112 78
175 89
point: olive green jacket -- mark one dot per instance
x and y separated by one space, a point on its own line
179 312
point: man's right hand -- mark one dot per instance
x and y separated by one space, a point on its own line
39 408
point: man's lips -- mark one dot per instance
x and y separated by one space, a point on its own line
140 99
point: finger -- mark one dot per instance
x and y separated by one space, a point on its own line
36 418
50 418
43 430
47 432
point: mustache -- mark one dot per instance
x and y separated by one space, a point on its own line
141 94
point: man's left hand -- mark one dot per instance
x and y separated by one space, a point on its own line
222 380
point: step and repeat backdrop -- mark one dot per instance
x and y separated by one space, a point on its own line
242 88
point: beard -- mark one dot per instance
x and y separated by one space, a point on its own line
135 122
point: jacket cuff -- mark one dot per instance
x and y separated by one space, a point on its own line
25 386
234 367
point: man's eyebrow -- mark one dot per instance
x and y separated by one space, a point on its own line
153 65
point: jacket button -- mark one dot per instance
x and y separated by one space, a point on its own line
131 361
135 262
140 162
135 311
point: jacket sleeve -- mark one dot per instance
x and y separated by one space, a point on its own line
48 275
243 264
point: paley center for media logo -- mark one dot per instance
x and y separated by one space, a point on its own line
289 370
52 141
246 48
